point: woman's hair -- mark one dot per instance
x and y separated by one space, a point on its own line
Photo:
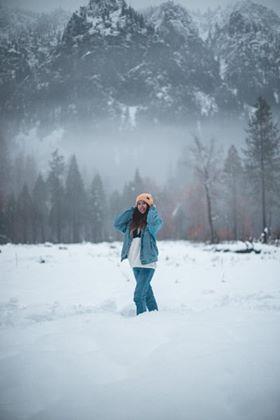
139 220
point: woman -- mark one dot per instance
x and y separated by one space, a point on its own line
140 224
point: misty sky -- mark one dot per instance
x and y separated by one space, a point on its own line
43 5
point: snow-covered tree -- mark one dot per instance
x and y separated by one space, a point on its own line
232 181
262 160
10 214
115 207
40 208
4 179
57 195
24 217
206 161
24 171
75 201
97 210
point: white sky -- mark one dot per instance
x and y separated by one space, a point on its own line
43 5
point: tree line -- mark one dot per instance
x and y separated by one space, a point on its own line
215 197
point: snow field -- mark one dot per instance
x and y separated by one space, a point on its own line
72 348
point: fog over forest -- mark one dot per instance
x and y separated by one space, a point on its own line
157 152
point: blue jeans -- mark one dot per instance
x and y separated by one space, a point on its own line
143 294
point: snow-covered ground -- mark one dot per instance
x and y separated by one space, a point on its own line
72 349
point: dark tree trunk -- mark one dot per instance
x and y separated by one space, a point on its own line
263 196
235 230
209 214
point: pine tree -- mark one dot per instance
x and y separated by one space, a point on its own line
115 207
30 171
75 201
262 159
4 168
232 180
24 171
18 174
24 216
57 196
40 205
98 211
10 214
4 182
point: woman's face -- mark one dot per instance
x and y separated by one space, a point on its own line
142 206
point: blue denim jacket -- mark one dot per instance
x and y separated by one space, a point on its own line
148 249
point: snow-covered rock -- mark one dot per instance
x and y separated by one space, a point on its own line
246 41
165 65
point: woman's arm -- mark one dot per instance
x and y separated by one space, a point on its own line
122 220
154 221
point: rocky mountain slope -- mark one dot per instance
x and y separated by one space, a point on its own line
26 42
165 65
246 43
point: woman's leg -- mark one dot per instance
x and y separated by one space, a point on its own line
138 292
143 294
150 300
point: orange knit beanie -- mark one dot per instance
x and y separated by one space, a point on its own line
145 197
